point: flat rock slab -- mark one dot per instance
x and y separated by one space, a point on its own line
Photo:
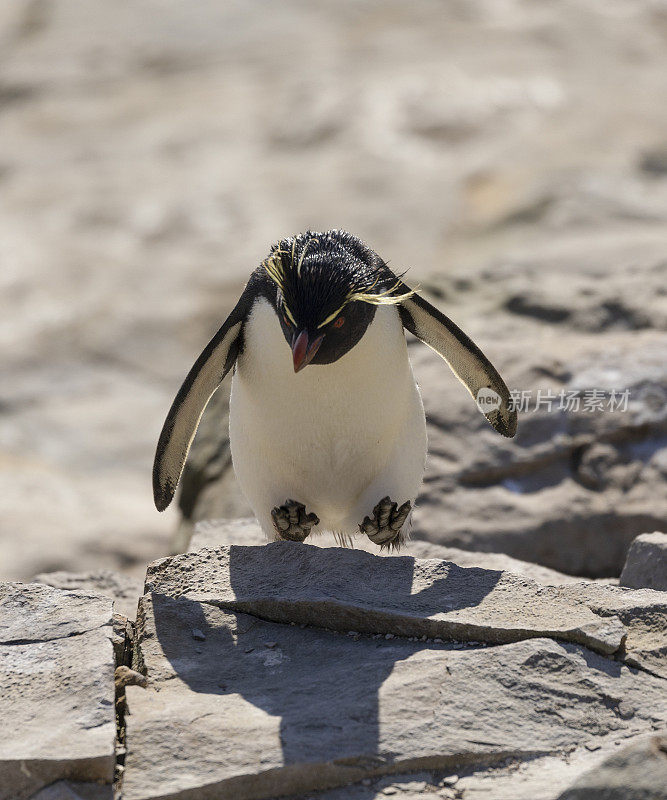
124 590
350 590
646 563
540 778
243 708
56 682
246 531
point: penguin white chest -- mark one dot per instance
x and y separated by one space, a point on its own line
323 435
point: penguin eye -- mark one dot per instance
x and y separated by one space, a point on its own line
286 319
339 322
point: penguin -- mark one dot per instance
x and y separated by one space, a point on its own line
326 422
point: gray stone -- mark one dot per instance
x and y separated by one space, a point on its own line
646 563
637 772
56 681
234 720
123 634
510 778
124 590
74 790
286 581
642 612
216 532
30 612
574 488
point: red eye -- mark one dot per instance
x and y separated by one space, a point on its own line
287 322
339 322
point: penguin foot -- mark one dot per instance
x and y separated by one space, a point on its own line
291 521
384 527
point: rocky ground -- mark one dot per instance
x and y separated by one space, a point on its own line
291 670
513 156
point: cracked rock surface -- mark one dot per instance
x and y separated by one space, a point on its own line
290 669
246 531
290 582
56 681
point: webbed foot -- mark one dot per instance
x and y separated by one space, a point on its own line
384 527
291 521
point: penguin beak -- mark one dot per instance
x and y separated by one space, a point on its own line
303 350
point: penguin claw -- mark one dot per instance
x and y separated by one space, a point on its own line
384 527
291 521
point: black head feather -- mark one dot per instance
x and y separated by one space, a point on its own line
328 283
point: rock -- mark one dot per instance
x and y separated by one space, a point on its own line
284 581
122 589
322 709
574 488
56 681
123 635
32 613
646 564
512 778
217 532
73 790
642 613
213 533
124 676
637 772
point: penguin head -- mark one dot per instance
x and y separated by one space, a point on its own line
327 287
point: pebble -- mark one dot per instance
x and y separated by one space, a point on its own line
270 645
249 649
389 636
200 636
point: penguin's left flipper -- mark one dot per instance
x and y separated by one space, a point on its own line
465 359
291 521
183 418
384 527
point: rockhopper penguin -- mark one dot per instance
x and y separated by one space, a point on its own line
326 423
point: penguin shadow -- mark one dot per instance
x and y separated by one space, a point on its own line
323 688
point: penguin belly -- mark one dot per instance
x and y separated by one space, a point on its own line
331 436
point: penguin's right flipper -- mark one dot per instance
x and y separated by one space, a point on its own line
183 418
465 359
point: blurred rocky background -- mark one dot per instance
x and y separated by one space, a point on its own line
512 155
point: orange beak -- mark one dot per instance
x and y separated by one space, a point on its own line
303 350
